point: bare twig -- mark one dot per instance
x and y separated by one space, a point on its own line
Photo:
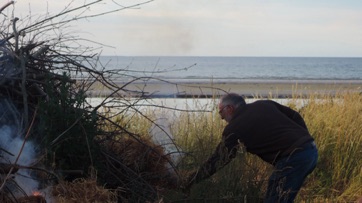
6 5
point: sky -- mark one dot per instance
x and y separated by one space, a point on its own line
316 28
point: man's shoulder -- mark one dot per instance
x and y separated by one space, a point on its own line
263 103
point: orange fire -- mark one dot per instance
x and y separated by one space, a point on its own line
37 193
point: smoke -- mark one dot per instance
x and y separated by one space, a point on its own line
12 145
161 135
11 148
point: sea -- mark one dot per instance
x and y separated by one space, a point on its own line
202 68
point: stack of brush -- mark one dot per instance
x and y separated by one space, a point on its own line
137 168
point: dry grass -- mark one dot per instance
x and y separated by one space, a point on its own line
336 124
335 121
143 157
82 190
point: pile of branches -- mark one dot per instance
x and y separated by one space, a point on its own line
32 70
47 83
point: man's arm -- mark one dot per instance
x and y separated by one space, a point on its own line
224 153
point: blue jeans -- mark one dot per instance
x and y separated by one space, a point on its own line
290 173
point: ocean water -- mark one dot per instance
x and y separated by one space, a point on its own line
237 68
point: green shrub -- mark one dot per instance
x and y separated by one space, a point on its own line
65 129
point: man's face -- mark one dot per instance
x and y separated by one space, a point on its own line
226 112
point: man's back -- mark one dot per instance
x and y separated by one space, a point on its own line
267 129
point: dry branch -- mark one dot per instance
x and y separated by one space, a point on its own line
36 72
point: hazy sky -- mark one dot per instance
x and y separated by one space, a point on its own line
221 27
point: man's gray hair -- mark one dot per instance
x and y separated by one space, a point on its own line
232 99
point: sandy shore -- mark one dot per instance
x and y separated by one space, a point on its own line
278 89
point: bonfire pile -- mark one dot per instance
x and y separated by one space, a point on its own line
41 91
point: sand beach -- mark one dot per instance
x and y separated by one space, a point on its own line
248 88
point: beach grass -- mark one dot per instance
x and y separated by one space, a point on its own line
335 121
336 124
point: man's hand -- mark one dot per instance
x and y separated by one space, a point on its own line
187 183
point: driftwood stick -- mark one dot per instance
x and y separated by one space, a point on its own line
16 34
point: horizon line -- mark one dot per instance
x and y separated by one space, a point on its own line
225 56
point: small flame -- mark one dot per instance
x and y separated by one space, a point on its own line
36 193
